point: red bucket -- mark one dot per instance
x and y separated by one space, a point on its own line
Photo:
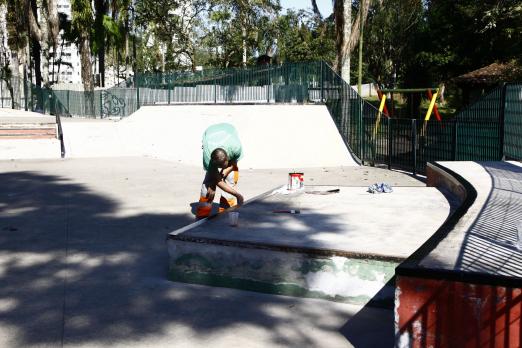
295 181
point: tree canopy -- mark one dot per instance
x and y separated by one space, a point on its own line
406 42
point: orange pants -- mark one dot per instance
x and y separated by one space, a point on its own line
226 200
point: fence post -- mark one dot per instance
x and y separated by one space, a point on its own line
414 144
168 93
25 88
101 105
322 83
68 102
136 83
454 139
361 120
1 93
268 86
51 109
215 89
390 143
502 120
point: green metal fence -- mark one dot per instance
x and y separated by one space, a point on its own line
487 130
513 121
296 82
490 129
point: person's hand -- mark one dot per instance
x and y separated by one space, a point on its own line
210 193
240 199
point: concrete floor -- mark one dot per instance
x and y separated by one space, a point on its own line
83 263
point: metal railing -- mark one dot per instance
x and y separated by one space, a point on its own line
488 130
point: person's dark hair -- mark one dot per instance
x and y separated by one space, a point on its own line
218 157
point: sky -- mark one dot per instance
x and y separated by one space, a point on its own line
325 6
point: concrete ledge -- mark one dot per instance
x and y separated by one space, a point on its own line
439 177
335 248
469 270
300 274
454 251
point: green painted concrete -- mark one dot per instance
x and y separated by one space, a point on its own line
268 288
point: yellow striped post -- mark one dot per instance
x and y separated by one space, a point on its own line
430 109
429 112
378 121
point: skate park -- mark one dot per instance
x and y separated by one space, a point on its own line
87 265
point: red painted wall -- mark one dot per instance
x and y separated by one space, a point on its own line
438 313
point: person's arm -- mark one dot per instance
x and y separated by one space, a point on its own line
225 187
229 169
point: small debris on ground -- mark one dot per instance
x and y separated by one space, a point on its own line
328 192
380 188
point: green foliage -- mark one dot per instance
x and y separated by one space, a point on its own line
234 23
16 24
82 16
172 28
410 43
389 34
304 37
466 35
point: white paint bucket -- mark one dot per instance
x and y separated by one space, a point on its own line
295 181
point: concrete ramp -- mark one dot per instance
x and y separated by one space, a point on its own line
273 136
28 135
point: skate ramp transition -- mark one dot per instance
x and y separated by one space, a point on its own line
273 136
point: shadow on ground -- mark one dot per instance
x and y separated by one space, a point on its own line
74 270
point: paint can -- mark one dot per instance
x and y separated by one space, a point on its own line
295 181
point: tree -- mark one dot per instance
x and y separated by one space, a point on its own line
235 28
347 32
17 35
467 35
44 31
393 37
82 22
101 8
174 28
303 36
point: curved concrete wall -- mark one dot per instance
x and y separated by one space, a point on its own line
273 136
463 287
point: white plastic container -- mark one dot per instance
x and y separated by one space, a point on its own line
233 218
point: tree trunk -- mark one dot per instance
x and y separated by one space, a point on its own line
45 56
14 88
53 30
85 58
244 46
316 9
100 8
343 28
54 23
356 27
36 50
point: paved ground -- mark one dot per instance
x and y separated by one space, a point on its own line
83 262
